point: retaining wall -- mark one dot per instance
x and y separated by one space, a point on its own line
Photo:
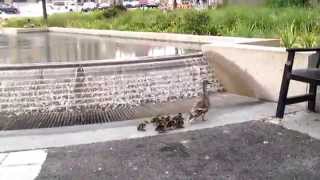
254 71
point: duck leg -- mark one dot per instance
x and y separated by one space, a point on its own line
203 117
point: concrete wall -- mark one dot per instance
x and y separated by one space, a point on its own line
254 71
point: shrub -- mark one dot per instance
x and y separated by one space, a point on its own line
308 40
289 37
114 11
288 3
195 22
23 22
228 21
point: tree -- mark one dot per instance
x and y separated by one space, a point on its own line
117 2
174 4
44 10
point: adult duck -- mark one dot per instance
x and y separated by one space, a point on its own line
201 107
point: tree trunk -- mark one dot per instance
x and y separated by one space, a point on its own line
44 10
174 4
117 2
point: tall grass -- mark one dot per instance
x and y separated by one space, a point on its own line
262 22
288 36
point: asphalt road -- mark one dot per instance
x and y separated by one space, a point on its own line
251 150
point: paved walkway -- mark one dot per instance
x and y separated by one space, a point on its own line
24 165
251 150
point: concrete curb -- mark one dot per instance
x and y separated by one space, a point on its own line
168 37
200 39
15 31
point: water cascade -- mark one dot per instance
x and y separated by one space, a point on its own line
68 94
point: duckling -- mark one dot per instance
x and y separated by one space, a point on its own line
202 106
155 120
179 120
166 118
171 123
141 127
161 126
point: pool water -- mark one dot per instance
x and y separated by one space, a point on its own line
59 47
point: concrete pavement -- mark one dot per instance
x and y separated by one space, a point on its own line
24 165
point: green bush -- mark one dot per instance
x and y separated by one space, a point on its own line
195 22
113 12
288 3
308 40
288 36
23 22
262 22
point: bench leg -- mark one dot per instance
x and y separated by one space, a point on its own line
283 97
313 91
282 101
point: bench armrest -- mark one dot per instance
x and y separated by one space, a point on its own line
302 49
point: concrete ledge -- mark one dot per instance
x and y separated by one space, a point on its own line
14 31
254 71
171 37
154 36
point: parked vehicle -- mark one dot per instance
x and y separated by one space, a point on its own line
62 6
73 7
131 3
149 3
89 6
8 9
104 5
4 15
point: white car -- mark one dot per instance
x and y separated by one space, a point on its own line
4 15
104 5
73 7
89 6
131 3
62 7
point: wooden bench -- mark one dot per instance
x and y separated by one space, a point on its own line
309 75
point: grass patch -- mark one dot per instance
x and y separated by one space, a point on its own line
264 22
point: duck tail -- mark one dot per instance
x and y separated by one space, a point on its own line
191 116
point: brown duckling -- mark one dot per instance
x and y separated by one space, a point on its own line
171 124
141 127
161 126
202 106
155 120
179 120
167 118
